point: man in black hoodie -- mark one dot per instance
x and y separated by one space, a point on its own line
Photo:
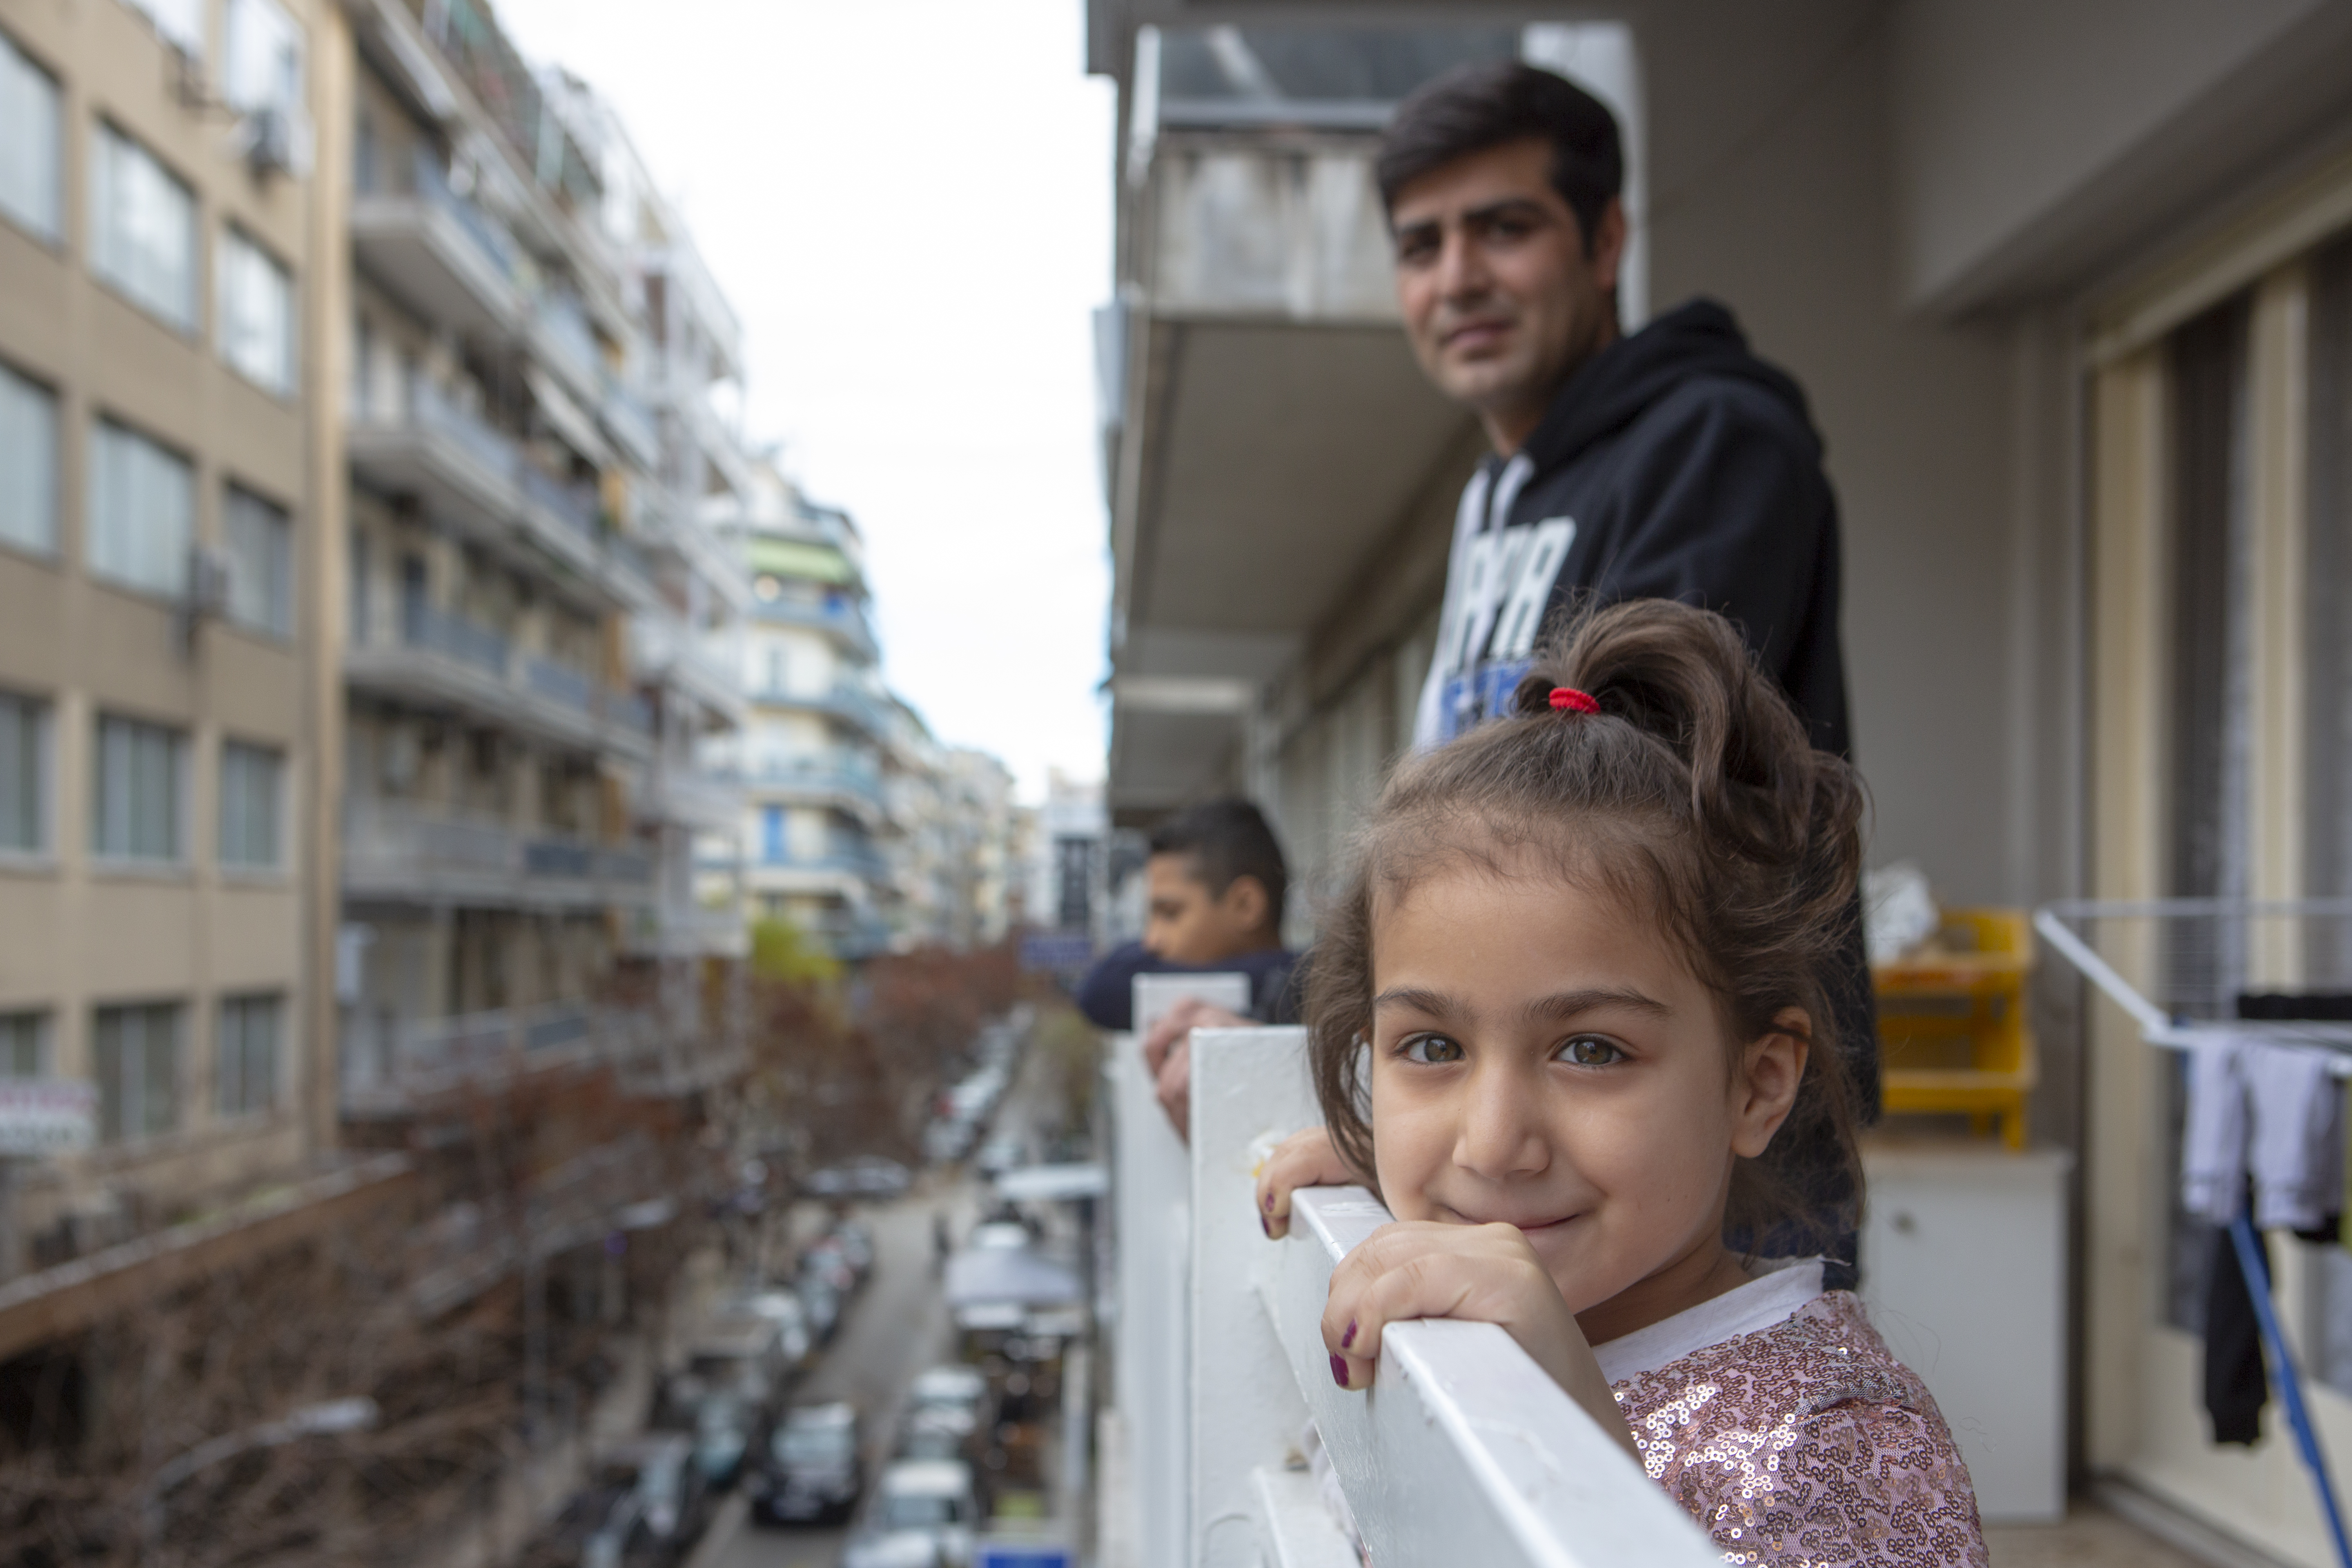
1669 464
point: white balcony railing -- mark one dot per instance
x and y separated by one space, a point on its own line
1462 1451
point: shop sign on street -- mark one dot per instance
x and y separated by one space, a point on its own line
47 1116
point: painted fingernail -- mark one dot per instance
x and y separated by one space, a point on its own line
1269 1202
1340 1370
1349 1338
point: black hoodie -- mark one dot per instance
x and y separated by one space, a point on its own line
1672 464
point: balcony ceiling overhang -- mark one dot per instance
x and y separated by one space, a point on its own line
1276 456
422 255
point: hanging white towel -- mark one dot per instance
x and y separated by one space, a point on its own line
2213 1145
2297 1147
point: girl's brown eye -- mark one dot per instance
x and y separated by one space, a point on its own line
1590 1051
1432 1050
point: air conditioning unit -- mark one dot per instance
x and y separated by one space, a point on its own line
270 144
208 575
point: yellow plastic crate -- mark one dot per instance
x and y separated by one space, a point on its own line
1952 1030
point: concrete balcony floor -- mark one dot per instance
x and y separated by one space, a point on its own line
2090 1537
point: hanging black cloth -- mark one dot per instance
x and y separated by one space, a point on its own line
2236 1386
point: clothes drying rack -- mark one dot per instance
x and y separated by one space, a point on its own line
2201 963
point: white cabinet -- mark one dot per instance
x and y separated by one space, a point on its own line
1964 1271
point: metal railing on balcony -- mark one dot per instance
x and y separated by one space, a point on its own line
398 851
1463 1451
830 772
388 1061
843 616
430 185
629 420
573 505
425 626
569 340
430 408
560 683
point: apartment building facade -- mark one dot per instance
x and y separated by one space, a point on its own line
823 727
533 601
2067 291
168 282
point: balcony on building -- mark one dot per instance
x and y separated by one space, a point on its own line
440 660
400 854
839 779
439 251
668 649
840 615
393 1065
843 701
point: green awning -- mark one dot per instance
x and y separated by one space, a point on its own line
809 563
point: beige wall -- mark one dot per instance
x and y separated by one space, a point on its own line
75 935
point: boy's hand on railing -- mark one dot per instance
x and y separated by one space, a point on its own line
1168 1054
1483 1274
1302 1160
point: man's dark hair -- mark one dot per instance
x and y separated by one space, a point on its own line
1227 838
1493 104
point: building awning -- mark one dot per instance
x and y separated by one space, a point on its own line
795 558
1012 1277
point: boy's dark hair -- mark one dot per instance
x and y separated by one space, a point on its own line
1228 838
1492 103
1694 798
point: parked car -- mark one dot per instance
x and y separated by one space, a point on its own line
927 1498
830 1265
659 1509
899 1549
725 1426
809 1472
823 1305
999 1155
855 1238
930 1432
864 1176
795 1335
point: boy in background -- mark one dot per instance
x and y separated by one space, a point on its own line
1214 886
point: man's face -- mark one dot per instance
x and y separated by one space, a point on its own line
1185 923
1500 297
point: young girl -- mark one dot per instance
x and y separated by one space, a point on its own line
1568 1003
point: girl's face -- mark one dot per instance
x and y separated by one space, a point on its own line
1542 1059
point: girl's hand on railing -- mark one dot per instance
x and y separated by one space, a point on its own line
1480 1273
1302 1160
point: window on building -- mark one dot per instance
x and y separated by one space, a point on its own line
180 23
256 314
142 515
28 464
362 587
30 143
772 833
250 786
260 564
244 1055
139 785
138 1056
24 775
22 1041
143 223
263 65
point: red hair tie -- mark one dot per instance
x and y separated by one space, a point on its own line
1564 698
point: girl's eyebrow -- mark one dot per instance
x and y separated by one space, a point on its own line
1563 1005
1558 1007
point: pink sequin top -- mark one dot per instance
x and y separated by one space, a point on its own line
1808 1443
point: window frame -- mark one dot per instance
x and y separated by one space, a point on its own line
244 1006
274 758
103 429
40 393
125 1131
44 1038
237 256
51 236
42 711
177 858
108 266
239 502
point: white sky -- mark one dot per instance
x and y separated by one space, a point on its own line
907 202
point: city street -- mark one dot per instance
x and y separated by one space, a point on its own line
896 1327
